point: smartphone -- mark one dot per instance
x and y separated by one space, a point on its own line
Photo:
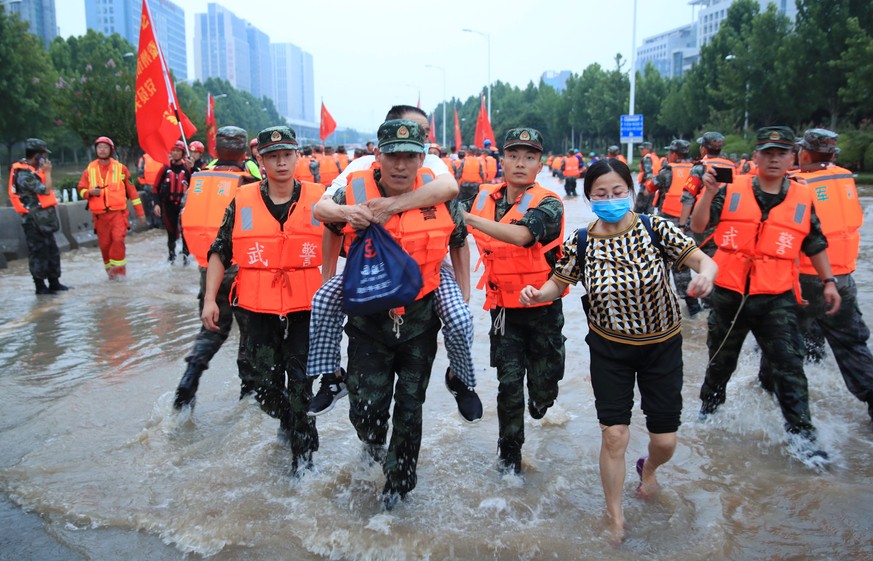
724 175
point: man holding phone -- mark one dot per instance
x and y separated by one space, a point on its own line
31 194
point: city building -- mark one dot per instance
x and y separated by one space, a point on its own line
557 80
260 63
124 16
294 92
674 52
39 14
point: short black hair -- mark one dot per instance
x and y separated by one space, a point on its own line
603 167
398 111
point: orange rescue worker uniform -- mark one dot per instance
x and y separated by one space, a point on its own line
557 162
761 254
343 160
508 267
424 236
470 174
109 210
45 201
329 169
571 167
836 206
302 171
278 264
209 194
672 206
656 166
490 167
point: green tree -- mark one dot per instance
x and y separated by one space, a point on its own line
26 83
857 63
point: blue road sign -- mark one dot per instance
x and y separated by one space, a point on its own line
631 128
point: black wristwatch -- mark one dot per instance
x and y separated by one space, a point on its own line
829 279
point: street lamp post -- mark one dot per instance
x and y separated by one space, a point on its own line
488 39
443 70
745 101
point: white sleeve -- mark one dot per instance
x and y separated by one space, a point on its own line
358 164
437 166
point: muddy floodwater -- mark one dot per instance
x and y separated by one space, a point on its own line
95 464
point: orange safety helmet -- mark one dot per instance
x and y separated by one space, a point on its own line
197 146
105 140
180 145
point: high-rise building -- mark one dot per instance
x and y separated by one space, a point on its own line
39 15
260 62
674 52
221 47
294 92
124 16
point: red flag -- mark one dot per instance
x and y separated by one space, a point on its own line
431 136
328 125
458 142
159 121
211 127
483 127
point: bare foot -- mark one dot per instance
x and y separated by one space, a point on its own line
615 531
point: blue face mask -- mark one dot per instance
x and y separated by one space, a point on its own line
611 210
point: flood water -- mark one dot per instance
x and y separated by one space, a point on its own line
95 464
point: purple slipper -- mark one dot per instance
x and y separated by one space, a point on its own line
640 464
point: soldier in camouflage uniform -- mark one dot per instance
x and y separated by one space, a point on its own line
841 217
772 318
644 199
521 228
30 191
711 144
273 345
230 145
388 357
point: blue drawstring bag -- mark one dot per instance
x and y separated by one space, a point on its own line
379 274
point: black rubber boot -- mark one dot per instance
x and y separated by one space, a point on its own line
41 288
694 306
56 286
187 389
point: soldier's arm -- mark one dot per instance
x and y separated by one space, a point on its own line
443 188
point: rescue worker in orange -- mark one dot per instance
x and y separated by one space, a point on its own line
342 157
328 167
389 358
710 144
106 185
307 169
208 196
490 162
669 185
615 152
253 162
838 208
470 174
147 169
518 226
762 226
571 172
195 156
169 193
31 194
269 231
650 165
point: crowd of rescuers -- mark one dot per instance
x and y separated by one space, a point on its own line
267 230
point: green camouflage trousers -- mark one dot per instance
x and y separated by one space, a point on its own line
43 256
376 373
272 365
208 342
772 319
532 344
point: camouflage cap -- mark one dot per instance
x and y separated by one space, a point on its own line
646 145
523 136
612 149
400 135
679 146
233 139
711 139
775 137
36 145
819 140
277 138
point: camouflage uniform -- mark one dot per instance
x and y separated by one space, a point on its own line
643 204
40 225
773 321
711 141
384 362
208 342
681 275
273 348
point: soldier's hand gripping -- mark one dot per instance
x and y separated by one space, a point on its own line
209 315
832 298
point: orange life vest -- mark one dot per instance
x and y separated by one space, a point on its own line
837 207
449 163
278 264
549 161
423 233
763 254
328 170
571 167
177 185
557 162
620 157
343 160
656 166
302 171
673 197
209 195
490 168
45 201
113 189
151 168
472 170
508 267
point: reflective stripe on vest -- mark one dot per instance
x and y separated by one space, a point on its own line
278 264
673 198
113 191
45 201
509 268
762 254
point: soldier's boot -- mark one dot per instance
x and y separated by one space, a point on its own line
55 285
171 257
41 288
509 461
694 306
187 389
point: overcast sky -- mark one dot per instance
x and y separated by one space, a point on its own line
375 54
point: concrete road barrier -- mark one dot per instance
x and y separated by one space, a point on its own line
77 225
